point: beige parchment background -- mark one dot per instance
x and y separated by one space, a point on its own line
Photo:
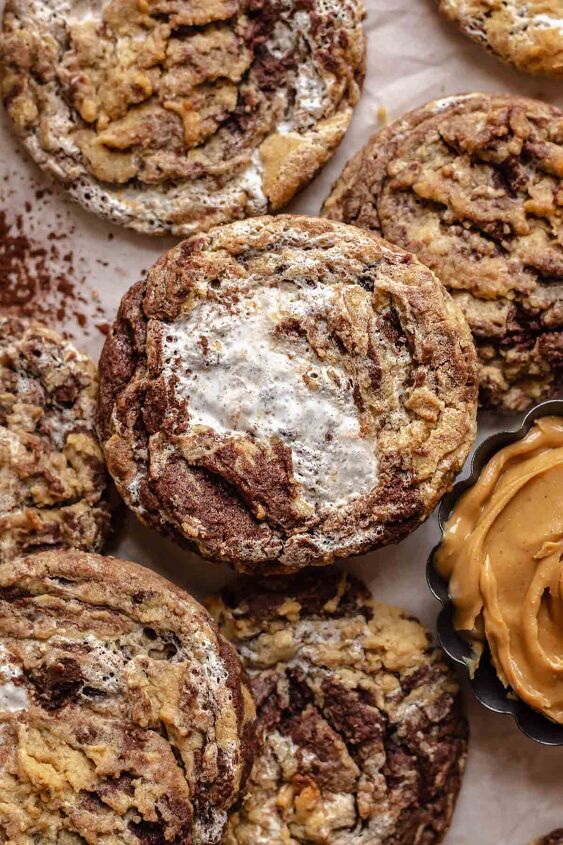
513 789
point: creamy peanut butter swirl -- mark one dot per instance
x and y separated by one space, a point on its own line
503 553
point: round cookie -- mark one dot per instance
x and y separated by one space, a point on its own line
362 737
473 185
553 838
170 116
53 482
125 718
284 391
527 33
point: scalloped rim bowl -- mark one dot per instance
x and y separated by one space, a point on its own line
486 685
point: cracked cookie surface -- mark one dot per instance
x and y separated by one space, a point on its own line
361 734
286 390
527 33
125 718
177 115
473 185
53 481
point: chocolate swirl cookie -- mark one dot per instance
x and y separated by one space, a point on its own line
528 33
53 482
362 738
124 714
176 115
473 185
285 390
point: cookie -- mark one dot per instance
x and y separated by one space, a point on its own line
361 732
284 391
473 186
53 482
553 838
124 715
170 116
528 34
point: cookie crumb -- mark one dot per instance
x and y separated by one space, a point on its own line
382 115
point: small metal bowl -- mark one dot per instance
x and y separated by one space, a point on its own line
486 685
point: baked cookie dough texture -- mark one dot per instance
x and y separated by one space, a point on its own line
527 33
361 734
176 115
286 390
473 185
53 482
124 717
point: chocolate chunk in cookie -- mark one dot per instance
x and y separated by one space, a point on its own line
177 115
361 732
527 33
473 185
124 714
53 482
285 391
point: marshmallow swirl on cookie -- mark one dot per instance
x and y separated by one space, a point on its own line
285 391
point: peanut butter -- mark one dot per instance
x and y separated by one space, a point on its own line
503 553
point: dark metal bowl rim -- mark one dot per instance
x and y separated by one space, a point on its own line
485 684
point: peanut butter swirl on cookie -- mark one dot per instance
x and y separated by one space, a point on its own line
176 115
528 33
473 185
286 390
124 715
53 481
362 737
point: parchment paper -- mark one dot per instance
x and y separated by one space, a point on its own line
513 789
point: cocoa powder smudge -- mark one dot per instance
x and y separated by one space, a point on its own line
38 280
